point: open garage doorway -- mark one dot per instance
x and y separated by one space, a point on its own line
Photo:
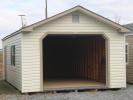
74 62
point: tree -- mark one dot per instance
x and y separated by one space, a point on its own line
117 19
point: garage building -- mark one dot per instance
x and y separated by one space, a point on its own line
76 49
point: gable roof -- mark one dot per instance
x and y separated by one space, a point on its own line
31 27
129 26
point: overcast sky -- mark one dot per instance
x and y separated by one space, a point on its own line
35 11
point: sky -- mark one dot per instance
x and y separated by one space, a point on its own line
35 11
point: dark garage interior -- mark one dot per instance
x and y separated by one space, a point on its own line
74 59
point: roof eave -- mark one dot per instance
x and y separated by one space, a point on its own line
113 24
30 28
12 34
124 30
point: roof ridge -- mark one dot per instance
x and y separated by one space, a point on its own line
78 7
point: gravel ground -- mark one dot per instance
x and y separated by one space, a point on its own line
6 88
126 94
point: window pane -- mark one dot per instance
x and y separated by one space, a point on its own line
126 52
13 55
126 49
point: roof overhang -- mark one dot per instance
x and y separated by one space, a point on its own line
12 34
117 26
30 28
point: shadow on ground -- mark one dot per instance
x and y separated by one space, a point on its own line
6 88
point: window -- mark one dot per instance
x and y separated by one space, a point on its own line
75 18
13 55
5 55
127 52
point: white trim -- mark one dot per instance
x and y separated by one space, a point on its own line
30 28
4 62
128 34
127 53
82 9
83 33
41 63
125 60
75 18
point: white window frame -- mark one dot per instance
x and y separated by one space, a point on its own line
13 53
127 53
75 18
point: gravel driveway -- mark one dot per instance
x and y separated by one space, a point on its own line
126 94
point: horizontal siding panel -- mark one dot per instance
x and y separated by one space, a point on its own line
76 28
129 40
31 49
14 73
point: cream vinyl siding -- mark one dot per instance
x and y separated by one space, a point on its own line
31 59
13 73
129 40
1 65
